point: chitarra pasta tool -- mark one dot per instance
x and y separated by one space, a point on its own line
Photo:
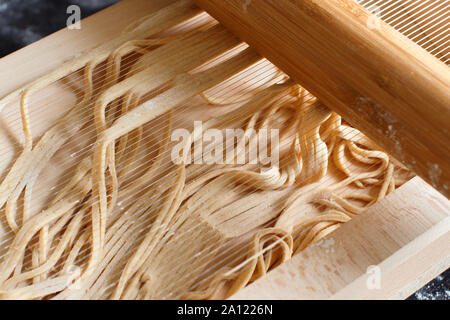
215 149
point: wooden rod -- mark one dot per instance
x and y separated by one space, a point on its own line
380 81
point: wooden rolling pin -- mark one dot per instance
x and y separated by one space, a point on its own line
380 81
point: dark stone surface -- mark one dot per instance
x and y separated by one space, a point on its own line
438 289
25 21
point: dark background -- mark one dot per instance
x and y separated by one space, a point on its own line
25 21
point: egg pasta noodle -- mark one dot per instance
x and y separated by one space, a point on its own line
124 221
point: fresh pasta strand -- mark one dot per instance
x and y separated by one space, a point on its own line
129 223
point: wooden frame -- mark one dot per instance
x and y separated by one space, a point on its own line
406 235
